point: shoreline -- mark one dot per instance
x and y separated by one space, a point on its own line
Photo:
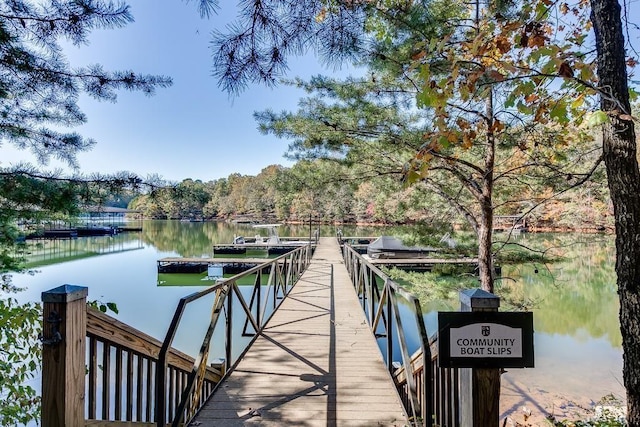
527 399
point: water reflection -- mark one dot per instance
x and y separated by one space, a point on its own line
575 297
578 353
575 305
43 252
578 356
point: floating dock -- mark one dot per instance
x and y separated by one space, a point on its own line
252 248
200 265
72 233
410 263
256 248
421 264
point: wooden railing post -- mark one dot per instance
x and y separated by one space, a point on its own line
479 388
63 356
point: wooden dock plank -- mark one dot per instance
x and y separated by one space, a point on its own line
316 363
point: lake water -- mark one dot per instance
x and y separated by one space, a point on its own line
578 354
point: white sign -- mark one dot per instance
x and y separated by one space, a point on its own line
486 340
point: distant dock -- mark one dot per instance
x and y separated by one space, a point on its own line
250 246
244 260
420 264
75 232
200 265
253 248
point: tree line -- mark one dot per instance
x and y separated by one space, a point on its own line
333 192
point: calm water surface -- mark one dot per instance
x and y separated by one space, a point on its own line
577 338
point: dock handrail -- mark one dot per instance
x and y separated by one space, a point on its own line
382 308
445 386
97 370
431 395
131 354
284 271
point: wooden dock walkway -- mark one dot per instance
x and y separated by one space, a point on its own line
316 363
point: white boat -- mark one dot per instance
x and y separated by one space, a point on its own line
392 247
272 237
271 241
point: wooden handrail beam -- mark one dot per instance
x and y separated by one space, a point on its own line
107 328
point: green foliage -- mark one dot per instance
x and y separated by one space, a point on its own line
604 421
597 118
448 107
19 357
434 286
103 306
40 89
20 354
609 413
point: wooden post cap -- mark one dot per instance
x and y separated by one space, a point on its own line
479 298
65 293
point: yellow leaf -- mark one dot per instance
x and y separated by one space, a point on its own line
597 118
577 103
321 15
412 177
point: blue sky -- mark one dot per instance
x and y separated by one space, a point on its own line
190 130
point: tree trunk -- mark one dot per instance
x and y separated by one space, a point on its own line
619 149
485 255
485 231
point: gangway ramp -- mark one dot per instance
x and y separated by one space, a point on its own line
316 363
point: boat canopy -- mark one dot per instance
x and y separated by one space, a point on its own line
390 244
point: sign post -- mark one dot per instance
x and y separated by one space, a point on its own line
480 340
485 340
